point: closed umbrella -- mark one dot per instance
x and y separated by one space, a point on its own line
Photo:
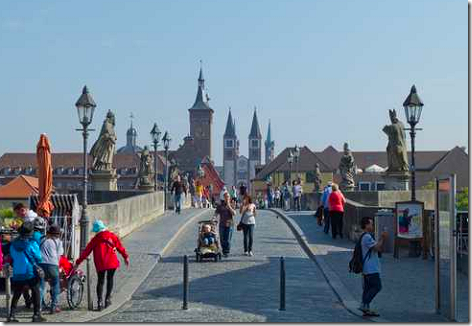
43 156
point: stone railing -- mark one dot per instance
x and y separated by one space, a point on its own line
125 215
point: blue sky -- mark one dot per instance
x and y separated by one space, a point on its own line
324 72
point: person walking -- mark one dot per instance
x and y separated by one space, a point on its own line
297 195
178 188
336 203
26 256
191 190
226 215
371 265
248 222
234 196
23 214
324 200
286 194
104 245
277 195
199 194
51 250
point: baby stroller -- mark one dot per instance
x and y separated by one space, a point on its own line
205 250
71 281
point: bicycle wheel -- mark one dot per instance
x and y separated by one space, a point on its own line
75 291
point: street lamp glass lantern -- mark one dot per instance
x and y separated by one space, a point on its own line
413 107
155 134
290 157
166 139
85 107
297 151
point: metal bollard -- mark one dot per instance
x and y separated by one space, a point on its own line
185 299
6 271
282 284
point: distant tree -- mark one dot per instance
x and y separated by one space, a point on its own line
462 199
429 186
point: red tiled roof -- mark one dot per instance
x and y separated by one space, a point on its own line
21 187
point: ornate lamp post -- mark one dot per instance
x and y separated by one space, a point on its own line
290 162
413 107
155 134
296 155
166 140
85 108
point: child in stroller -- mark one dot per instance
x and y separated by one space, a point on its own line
208 246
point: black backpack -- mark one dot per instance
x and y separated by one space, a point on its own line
356 263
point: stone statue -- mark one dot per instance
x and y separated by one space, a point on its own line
104 148
396 148
317 179
347 169
146 170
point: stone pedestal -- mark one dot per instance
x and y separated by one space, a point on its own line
104 180
396 180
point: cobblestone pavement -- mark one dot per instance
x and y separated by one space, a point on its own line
144 246
407 284
239 288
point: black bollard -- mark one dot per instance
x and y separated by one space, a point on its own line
185 304
282 284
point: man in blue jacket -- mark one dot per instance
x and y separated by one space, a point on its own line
25 254
324 201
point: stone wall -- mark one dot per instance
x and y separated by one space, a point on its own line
387 198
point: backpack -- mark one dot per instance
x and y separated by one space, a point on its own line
356 263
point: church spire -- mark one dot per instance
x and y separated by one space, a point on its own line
255 130
230 131
201 101
269 136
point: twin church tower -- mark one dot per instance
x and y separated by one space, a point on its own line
238 169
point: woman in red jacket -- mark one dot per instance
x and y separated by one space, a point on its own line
104 245
336 203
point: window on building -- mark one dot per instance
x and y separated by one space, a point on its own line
380 186
242 175
364 186
255 143
229 143
242 164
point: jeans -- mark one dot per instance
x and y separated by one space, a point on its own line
52 276
248 231
208 241
336 223
226 233
178 202
326 220
297 203
371 286
101 281
18 288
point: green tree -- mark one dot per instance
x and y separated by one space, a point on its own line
462 199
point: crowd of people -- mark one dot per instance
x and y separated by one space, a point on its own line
36 256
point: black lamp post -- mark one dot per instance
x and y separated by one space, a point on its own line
413 107
155 134
85 108
296 155
166 140
290 162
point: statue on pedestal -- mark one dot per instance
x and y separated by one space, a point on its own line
146 170
347 169
317 179
396 148
104 148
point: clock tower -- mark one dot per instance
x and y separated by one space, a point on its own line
201 119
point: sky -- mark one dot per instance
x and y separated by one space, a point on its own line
324 72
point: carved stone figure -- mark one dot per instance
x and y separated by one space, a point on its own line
146 170
104 148
347 169
317 179
396 148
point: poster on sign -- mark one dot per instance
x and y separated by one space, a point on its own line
409 218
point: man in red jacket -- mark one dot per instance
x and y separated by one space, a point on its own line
104 246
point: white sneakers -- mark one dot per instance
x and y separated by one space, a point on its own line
251 254
246 253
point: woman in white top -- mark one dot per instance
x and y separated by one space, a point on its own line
248 221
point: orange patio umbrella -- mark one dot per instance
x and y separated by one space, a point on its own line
43 156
